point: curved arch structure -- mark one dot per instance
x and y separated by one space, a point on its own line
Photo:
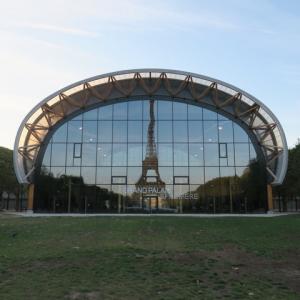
260 123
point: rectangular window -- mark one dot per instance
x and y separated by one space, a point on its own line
77 150
223 150
118 180
181 179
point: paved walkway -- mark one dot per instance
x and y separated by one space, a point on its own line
262 215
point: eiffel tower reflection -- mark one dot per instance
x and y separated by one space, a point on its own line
150 179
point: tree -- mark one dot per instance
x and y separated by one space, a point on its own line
291 185
8 180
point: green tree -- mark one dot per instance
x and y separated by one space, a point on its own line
8 180
291 185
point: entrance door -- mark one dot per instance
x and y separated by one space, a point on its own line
151 203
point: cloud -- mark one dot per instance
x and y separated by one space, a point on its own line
60 29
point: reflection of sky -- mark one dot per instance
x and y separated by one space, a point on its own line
104 143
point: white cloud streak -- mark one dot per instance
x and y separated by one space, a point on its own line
59 29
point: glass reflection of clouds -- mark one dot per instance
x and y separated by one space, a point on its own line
197 151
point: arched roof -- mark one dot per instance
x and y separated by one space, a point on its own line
56 109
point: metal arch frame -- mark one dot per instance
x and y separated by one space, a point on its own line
214 94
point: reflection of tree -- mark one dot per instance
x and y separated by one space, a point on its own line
253 184
8 180
246 192
70 193
288 193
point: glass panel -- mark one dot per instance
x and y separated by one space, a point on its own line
89 132
145 131
165 133
227 172
117 201
209 115
196 175
47 156
135 110
91 115
179 111
181 171
74 131
194 112
58 171
241 154
180 131
146 109
195 131
164 110
197 197
133 174
135 131
120 131
166 174
120 111
211 173
104 154
165 154
119 154
73 171
134 198
105 131
119 171
181 194
196 154
135 152
230 154
239 134
71 161
169 193
88 175
180 154
58 157
103 175
105 112
240 171
89 154
210 131
60 134
106 199
211 154
225 132
223 161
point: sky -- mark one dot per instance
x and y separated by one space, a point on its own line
47 45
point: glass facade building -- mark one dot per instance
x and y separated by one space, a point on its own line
203 162
150 141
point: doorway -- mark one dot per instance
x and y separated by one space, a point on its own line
151 203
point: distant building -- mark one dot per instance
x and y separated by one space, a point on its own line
151 141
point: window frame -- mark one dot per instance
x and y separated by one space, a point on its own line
74 150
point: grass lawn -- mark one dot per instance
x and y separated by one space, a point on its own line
149 258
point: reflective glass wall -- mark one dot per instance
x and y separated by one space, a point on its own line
150 156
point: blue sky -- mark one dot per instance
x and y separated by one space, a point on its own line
46 45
